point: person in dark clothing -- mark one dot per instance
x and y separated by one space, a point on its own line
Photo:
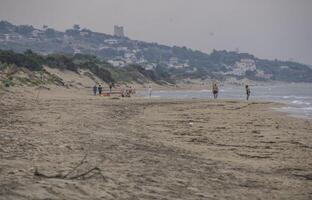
215 90
100 89
110 87
247 92
94 90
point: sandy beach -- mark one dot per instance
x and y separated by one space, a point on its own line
67 144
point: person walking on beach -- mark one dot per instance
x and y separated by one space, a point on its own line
100 90
110 87
149 91
215 90
247 92
94 90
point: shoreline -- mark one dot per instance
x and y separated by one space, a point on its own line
281 106
81 92
284 106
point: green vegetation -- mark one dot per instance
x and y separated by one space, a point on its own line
60 47
28 60
102 69
8 82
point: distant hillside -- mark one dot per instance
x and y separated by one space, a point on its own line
30 68
168 63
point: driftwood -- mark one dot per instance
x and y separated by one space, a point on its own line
85 175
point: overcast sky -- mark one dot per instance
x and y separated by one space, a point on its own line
267 28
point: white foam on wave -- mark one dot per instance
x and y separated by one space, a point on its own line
147 97
296 97
300 102
307 108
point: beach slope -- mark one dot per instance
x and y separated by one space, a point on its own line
64 145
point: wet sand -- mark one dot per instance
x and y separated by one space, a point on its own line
70 145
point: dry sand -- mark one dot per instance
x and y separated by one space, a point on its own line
149 149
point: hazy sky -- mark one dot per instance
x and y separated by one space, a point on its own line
267 28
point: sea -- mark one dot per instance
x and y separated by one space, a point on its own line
297 97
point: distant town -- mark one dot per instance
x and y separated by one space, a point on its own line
120 51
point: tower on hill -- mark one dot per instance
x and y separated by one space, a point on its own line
119 31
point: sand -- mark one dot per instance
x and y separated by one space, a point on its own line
149 149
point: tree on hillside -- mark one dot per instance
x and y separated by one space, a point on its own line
24 29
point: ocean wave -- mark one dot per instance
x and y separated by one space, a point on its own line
296 97
307 108
147 97
296 108
300 102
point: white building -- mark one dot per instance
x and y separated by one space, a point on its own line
117 63
173 61
7 37
141 61
129 55
122 48
104 47
111 41
242 66
84 33
36 32
261 74
150 66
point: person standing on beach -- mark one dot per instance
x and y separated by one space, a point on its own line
247 92
215 91
100 90
110 87
94 90
149 91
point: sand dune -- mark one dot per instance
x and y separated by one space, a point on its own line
149 149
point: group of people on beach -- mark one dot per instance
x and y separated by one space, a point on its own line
127 92
98 89
124 92
215 91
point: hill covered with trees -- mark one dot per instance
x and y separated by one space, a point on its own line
104 71
159 62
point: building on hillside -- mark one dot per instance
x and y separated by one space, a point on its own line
84 33
117 63
264 75
36 33
244 65
141 60
119 31
122 49
129 55
101 47
150 66
111 41
173 61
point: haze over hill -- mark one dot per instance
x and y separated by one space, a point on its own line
172 63
137 99
269 29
